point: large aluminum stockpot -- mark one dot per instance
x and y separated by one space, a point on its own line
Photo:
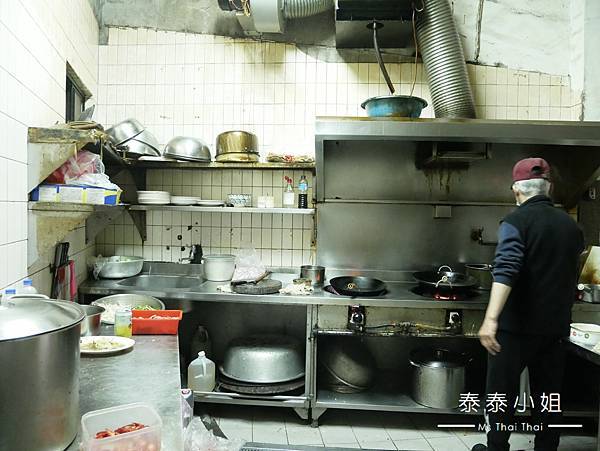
264 359
236 141
39 376
438 377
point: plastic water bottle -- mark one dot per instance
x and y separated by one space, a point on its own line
27 287
201 374
8 293
303 192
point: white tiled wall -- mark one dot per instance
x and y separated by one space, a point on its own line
200 85
190 84
37 38
280 239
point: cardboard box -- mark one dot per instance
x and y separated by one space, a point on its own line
75 194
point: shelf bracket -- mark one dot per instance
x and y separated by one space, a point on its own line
139 219
95 223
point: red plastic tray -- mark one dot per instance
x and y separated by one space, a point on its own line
143 325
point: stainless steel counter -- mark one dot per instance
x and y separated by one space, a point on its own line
148 373
399 295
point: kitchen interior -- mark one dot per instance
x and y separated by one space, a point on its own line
229 222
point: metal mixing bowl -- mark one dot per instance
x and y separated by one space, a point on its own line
91 322
264 359
137 148
348 360
187 148
118 267
128 300
149 139
394 106
124 131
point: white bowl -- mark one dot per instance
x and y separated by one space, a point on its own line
584 333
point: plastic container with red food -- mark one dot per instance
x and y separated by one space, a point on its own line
156 322
140 419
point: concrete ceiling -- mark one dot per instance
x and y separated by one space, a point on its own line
532 35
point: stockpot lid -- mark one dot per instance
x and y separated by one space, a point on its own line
28 317
437 358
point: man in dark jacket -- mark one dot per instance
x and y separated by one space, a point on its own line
535 278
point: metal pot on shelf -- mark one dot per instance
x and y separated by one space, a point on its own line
589 292
482 272
39 342
438 377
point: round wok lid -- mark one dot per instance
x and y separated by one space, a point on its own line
28 317
454 279
437 358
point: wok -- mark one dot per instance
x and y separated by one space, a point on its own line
445 280
357 286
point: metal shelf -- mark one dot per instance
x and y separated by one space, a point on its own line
214 165
299 403
195 208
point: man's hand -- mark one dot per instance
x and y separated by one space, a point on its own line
487 336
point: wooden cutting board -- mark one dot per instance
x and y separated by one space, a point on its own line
266 286
590 273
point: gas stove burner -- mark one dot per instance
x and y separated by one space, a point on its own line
443 296
331 290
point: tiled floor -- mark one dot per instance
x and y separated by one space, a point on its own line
366 430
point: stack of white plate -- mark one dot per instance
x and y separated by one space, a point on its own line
210 203
184 200
154 197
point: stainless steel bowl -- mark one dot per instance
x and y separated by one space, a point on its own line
125 300
237 141
394 106
264 359
135 149
187 148
117 267
124 131
349 361
149 139
91 323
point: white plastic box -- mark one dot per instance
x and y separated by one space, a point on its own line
146 439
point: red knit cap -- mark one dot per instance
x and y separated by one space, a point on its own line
531 168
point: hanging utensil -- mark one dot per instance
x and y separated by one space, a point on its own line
375 26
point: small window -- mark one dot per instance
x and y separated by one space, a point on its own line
76 95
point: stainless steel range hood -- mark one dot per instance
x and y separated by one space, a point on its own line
406 194
572 148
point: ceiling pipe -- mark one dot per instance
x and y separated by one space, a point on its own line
295 9
441 51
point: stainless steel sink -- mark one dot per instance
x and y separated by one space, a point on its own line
150 282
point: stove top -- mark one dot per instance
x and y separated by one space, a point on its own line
444 296
332 290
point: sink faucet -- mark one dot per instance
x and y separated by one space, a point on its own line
195 256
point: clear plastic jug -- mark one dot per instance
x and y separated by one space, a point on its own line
201 374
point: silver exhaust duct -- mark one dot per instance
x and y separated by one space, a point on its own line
441 50
295 9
